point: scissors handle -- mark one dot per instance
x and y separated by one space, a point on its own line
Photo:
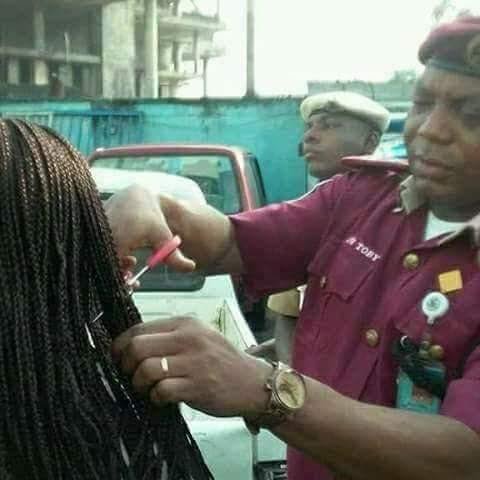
164 252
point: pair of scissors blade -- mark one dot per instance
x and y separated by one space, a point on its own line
158 257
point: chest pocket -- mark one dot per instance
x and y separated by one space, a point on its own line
332 289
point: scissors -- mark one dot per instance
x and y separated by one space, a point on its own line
158 257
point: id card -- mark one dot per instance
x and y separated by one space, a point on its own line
416 399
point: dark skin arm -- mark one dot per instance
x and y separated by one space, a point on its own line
284 333
356 440
280 346
367 442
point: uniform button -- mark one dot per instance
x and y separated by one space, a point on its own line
372 337
323 282
436 352
411 261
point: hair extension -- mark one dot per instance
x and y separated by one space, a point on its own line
67 413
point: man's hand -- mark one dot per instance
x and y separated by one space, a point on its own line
266 350
203 369
137 220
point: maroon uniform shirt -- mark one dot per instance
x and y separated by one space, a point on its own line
357 241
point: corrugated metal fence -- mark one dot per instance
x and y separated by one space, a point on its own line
90 129
270 128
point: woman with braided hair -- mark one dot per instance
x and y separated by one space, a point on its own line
66 413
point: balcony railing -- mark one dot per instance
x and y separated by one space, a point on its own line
77 4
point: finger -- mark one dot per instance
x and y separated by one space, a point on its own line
152 370
269 343
128 262
127 277
143 347
261 348
171 390
152 327
179 262
253 350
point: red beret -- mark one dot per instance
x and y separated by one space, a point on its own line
454 46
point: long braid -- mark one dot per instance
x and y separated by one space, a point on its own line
59 270
32 236
17 352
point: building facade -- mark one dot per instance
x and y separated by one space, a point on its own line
103 48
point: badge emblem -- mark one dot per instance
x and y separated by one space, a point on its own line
450 281
434 306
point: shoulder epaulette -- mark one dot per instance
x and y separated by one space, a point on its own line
367 161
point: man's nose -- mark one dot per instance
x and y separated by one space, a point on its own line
436 125
310 136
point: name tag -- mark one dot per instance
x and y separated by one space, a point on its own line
363 249
415 399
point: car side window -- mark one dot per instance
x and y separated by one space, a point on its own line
252 172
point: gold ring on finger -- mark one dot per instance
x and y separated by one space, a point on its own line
164 364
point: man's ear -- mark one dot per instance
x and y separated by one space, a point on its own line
371 142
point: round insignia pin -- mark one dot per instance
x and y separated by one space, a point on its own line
472 53
435 305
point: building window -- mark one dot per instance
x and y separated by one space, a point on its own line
25 71
77 77
3 70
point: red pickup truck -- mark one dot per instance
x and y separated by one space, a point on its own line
228 176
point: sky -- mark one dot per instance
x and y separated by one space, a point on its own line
302 40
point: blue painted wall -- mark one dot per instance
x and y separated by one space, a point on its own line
269 128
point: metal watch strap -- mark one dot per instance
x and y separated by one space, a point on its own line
272 416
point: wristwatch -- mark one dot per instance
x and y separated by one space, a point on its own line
287 395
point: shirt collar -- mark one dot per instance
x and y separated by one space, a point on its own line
411 199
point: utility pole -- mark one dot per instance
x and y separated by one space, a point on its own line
250 48
151 49
205 76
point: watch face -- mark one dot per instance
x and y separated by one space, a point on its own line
290 389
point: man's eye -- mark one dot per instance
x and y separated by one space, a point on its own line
331 125
322 125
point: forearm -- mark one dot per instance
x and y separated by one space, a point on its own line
207 235
366 442
284 332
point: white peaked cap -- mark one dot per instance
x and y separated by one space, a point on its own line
351 103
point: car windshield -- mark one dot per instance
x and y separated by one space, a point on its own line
214 174
111 180
164 279
392 146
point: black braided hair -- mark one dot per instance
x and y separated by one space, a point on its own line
66 411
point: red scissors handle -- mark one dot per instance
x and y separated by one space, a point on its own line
164 252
